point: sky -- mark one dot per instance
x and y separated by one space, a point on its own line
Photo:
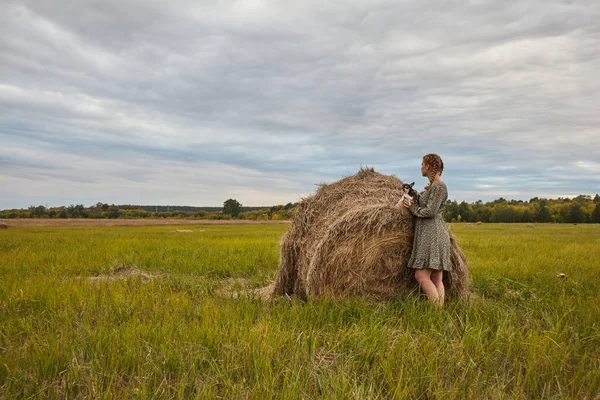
195 102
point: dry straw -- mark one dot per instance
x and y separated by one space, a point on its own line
349 239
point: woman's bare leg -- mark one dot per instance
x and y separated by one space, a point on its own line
423 276
437 279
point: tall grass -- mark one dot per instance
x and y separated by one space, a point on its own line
525 333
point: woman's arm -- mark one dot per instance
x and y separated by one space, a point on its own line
438 193
403 201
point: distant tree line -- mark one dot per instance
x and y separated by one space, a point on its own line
581 209
106 211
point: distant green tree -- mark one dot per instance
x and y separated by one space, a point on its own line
596 199
466 212
504 213
112 213
482 212
543 215
596 214
451 212
576 214
37 212
63 213
563 213
232 207
100 207
526 217
583 199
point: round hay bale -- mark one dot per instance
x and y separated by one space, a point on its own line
3 226
350 239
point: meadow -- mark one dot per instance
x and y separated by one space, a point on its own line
187 329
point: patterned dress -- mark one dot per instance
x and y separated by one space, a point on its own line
431 245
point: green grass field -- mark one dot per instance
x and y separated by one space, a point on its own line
524 334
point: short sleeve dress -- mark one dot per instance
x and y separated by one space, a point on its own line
431 244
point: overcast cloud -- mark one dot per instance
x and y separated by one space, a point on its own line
191 103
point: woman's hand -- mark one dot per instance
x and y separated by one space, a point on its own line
406 202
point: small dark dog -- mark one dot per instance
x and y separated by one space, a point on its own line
409 192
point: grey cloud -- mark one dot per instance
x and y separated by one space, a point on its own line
308 89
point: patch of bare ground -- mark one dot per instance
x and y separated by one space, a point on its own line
33 222
238 287
324 358
123 272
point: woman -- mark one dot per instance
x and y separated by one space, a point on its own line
431 246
